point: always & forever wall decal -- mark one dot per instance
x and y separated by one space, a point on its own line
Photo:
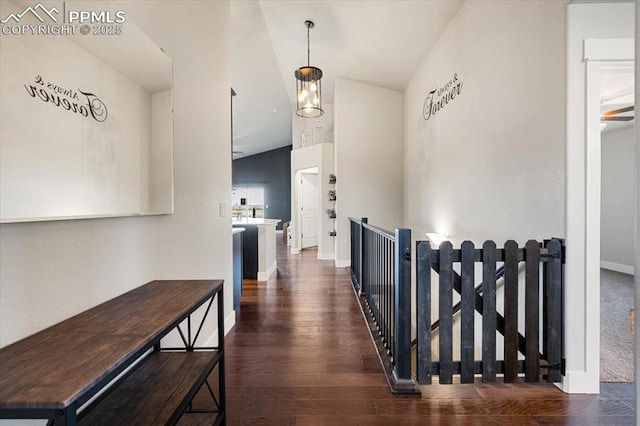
86 105
439 97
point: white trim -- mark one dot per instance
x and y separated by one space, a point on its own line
341 263
326 256
582 209
618 267
592 207
264 276
580 382
609 49
229 323
294 250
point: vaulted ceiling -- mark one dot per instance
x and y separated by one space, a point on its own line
377 42
381 42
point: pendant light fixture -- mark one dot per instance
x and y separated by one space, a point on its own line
308 86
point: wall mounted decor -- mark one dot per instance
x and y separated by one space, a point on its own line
439 97
318 133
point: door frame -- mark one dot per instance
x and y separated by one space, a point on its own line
310 171
582 303
297 219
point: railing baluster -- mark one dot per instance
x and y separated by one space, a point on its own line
467 324
510 311
377 256
423 301
488 312
446 313
532 311
366 266
362 245
388 287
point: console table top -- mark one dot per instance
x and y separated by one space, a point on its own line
54 367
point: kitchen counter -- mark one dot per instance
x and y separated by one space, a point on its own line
259 247
237 266
256 221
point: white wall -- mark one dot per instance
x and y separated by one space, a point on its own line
618 200
369 159
584 21
52 270
489 165
299 124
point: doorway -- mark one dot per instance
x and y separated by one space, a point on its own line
308 206
600 56
616 220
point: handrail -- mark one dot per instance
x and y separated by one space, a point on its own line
380 230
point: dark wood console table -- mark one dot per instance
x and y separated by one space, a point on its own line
53 373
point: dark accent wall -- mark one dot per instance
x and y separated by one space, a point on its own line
271 170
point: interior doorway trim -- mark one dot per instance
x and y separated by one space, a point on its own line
583 231
298 217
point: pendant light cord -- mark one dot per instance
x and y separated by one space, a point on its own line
308 49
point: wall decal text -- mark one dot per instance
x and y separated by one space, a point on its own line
439 97
87 105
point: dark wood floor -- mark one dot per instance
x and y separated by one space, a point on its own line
300 354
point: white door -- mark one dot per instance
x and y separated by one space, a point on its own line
309 209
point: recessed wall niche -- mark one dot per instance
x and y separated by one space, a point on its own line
86 120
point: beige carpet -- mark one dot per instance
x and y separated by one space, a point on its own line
616 342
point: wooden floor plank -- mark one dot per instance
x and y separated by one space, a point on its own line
300 354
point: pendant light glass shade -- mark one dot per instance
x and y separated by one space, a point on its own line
308 87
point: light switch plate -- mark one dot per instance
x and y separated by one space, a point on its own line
223 209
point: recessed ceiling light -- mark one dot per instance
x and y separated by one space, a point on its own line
274 110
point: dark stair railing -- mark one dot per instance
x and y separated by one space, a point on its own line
381 277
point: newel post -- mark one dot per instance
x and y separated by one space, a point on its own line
402 351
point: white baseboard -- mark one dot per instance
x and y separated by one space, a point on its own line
326 256
580 382
341 263
294 250
229 323
264 276
618 267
